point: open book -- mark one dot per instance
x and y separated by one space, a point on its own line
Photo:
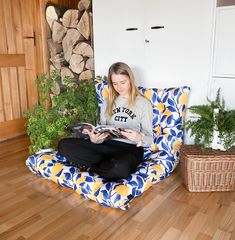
79 130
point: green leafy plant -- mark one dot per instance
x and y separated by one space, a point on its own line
76 103
205 122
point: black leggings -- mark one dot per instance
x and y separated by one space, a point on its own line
112 160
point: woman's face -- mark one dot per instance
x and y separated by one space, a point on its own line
121 84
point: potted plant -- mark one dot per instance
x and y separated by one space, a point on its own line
212 125
76 102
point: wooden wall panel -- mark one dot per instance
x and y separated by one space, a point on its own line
31 87
30 69
29 54
2 112
22 88
12 128
17 22
3 40
6 94
23 57
27 17
15 96
10 31
41 49
13 93
8 60
18 64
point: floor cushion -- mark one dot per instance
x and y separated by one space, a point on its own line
160 159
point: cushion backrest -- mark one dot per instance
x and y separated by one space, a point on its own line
169 106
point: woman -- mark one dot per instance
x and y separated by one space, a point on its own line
116 158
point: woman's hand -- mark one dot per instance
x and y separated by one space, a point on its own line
132 135
96 137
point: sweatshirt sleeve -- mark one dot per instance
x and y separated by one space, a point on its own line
146 124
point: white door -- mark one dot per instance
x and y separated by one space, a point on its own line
178 37
224 47
223 74
118 34
170 48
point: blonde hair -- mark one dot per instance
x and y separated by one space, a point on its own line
120 68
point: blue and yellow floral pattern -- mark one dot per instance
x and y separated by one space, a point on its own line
160 159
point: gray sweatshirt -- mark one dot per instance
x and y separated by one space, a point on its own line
138 118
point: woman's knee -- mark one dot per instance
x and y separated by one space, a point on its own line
67 146
68 143
63 145
119 171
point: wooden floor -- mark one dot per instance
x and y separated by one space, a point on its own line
34 208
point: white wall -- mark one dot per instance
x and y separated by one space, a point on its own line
180 54
177 55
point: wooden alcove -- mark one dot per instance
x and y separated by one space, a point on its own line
23 57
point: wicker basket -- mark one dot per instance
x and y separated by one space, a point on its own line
206 171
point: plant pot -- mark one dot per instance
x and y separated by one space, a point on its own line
217 142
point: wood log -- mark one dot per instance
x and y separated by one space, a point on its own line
76 63
66 72
56 88
71 17
51 68
90 64
86 75
71 38
48 32
54 47
58 32
84 5
72 85
51 15
84 49
52 99
84 25
91 29
58 60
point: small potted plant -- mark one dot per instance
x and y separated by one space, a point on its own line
212 125
75 103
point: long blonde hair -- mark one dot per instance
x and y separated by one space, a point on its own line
120 68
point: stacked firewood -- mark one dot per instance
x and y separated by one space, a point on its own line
70 41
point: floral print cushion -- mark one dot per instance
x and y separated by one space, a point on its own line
52 166
168 113
169 106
